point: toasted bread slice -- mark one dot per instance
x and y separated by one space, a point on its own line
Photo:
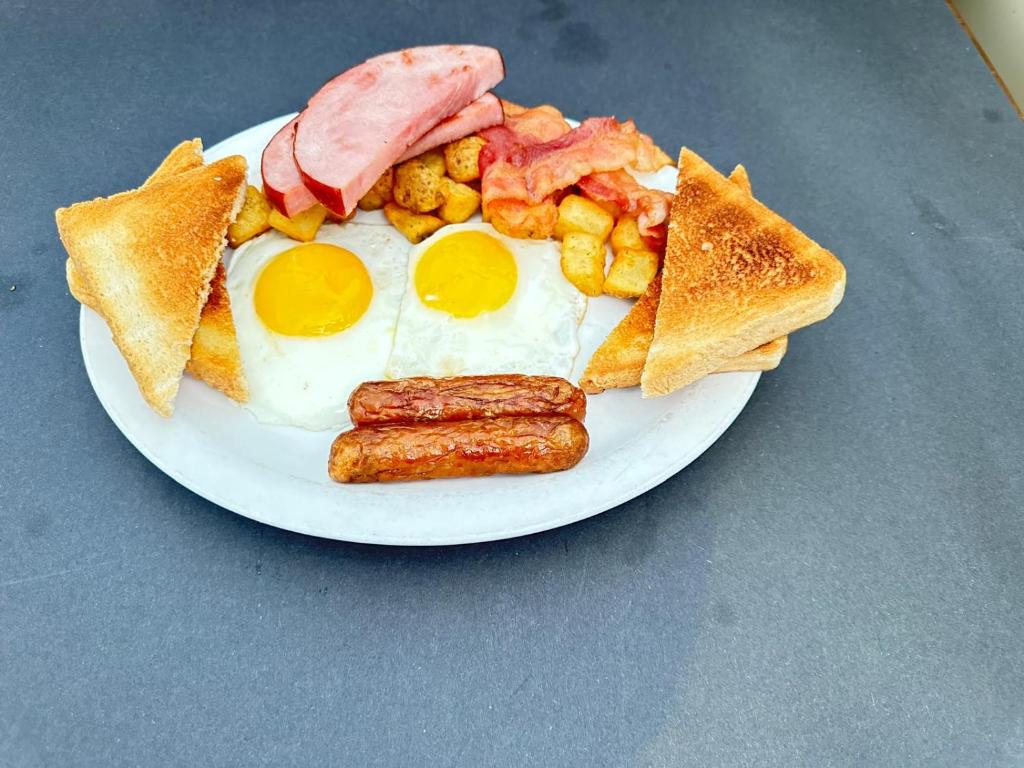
736 275
215 357
763 358
619 361
767 356
184 157
148 257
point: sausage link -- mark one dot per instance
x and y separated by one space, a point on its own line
473 448
464 397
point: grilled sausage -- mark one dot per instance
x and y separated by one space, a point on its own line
464 397
509 445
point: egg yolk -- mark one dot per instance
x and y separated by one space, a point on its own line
314 289
466 273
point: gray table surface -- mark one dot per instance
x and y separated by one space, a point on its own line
838 581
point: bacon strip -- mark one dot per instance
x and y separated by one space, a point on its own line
517 218
531 172
649 206
534 155
521 126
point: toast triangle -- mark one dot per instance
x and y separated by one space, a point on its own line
736 275
148 257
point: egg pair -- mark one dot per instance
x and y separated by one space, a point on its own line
315 320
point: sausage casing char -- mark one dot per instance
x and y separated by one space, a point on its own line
464 397
469 448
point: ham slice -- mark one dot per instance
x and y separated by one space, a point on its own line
358 124
282 182
482 113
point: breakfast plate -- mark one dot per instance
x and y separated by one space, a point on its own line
277 474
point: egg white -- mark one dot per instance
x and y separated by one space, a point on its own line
305 382
535 332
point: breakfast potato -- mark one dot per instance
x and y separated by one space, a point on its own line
578 214
630 273
627 235
583 257
302 226
415 226
418 183
460 202
252 219
434 160
379 193
462 158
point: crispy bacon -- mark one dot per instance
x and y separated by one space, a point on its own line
649 206
523 220
535 155
517 218
531 171
521 126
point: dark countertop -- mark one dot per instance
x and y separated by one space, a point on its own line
838 581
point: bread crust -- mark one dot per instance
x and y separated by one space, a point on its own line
736 276
215 358
147 257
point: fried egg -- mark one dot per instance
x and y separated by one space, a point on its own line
314 320
479 302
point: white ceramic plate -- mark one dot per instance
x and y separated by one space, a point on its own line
278 475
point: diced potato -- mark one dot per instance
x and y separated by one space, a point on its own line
434 160
630 272
418 184
577 214
462 158
415 226
302 226
627 235
460 202
583 257
252 219
379 193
